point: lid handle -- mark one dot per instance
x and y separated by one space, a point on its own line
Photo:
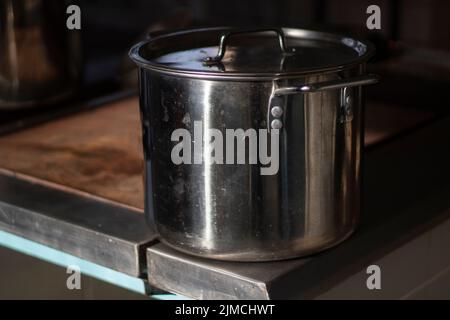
226 35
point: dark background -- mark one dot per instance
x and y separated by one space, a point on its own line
112 25
413 44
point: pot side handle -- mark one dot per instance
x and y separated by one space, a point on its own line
275 109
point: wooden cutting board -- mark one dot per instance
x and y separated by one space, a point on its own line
97 151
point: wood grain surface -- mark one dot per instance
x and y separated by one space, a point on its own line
97 151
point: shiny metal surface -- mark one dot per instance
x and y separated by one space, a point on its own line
274 110
249 56
231 211
322 86
39 57
89 228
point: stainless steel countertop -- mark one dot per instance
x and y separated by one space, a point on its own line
97 231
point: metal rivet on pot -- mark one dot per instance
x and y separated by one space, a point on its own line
348 108
277 111
276 124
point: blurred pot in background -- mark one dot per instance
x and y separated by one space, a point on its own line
40 59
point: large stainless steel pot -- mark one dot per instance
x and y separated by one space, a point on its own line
307 86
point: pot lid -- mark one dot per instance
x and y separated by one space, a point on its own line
238 53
